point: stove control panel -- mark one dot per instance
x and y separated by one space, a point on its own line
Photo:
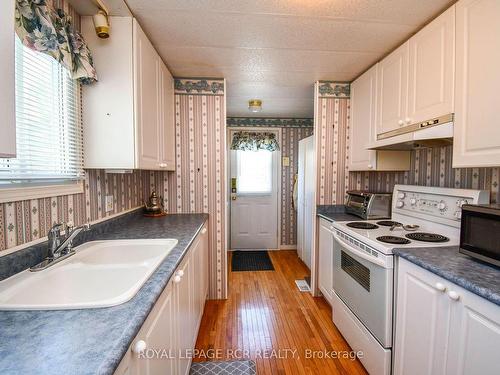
433 203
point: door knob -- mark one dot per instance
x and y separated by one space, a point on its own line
441 287
453 295
139 347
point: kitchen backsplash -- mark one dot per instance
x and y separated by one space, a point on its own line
292 131
28 220
431 167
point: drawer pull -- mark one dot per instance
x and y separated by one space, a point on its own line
139 347
453 295
441 287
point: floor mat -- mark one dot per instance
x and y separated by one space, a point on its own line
251 261
223 368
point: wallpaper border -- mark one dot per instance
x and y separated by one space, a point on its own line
332 89
199 86
267 122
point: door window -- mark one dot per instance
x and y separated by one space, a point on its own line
255 172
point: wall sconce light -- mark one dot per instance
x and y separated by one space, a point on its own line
255 105
101 24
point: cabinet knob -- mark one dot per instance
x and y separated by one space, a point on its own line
401 122
180 273
204 230
163 165
370 166
408 120
139 347
441 287
177 279
453 295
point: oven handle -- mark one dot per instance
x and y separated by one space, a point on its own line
359 253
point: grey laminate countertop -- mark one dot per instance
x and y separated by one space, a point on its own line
335 212
475 276
93 341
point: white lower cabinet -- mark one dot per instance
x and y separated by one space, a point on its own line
165 342
325 278
442 328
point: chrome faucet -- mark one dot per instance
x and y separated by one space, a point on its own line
60 248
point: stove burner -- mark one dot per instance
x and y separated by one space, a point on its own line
427 237
388 223
394 240
362 225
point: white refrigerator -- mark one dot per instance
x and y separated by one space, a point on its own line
306 184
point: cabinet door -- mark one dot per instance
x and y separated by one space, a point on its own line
432 68
325 260
160 335
7 93
476 133
184 314
392 86
147 104
362 130
475 335
167 123
422 322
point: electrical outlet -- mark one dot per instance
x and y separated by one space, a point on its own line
109 203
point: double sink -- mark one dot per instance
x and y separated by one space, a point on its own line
100 274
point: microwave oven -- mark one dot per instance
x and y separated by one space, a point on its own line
480 232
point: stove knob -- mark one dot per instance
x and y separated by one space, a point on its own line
400 204
441 206
401 195
413 201
461 202
458 215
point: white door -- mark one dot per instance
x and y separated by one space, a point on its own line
254 206
392 85
422 322
432 67
362 130
306 203
476 141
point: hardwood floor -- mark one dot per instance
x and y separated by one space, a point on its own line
269 320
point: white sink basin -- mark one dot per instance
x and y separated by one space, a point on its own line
100 274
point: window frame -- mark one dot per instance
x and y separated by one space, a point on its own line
45 188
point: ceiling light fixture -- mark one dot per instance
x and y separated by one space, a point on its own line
255 105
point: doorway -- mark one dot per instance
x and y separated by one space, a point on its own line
254 186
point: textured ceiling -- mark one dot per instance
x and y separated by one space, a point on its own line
275 50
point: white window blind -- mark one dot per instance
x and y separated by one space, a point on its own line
48 122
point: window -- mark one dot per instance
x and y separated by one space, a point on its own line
255 172
48 122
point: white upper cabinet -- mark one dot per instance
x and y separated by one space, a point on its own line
362 130
432 69
477 117
167 118
392 88
147 100
7 92
128 115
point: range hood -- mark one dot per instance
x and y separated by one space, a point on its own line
432 133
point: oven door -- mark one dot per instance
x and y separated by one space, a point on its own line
363 280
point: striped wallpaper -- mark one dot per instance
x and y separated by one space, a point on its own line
199 181
332 121
28 220
292 131
429 167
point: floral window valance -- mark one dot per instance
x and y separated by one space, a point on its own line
250 141
43 28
